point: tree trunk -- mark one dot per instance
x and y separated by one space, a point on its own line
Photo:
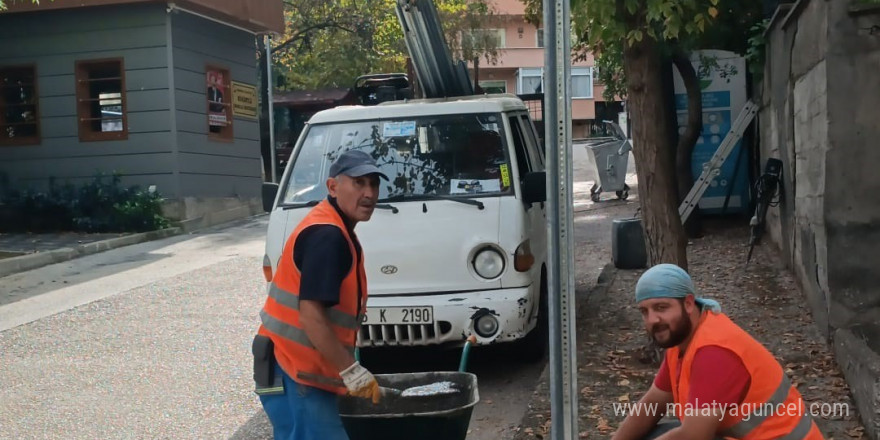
265 150
688 139
652 146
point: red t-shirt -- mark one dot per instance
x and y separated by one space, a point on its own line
717 375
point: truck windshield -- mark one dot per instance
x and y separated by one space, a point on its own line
449 155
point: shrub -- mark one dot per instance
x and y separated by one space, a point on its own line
101 205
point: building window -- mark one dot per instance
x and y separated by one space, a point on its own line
484 38
530 80
100 97
19 120
581 82
539 37
219 108
498 86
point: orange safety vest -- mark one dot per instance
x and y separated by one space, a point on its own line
280 315
771 409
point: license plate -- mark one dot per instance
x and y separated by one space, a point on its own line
399 315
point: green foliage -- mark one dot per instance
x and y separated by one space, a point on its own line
3 4
756 53
610 65
101 205
609 25
330 43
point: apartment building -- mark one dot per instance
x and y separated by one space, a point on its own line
520 70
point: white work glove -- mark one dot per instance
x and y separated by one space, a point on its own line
360 382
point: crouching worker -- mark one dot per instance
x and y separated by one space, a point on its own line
304 349
715 378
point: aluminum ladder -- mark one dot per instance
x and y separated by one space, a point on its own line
712 168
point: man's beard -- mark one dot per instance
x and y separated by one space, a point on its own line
677 333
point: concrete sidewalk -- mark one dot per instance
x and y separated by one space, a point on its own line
22 252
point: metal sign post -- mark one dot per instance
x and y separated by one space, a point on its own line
560 227
269 87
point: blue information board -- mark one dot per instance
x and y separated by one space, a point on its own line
723 99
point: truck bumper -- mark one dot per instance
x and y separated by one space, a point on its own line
455 317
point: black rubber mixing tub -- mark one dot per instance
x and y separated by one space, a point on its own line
439 417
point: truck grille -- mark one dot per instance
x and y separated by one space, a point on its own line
377 335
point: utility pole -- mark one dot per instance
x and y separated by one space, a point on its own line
269 87
560 227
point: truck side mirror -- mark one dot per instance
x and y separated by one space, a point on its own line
270 190
534 187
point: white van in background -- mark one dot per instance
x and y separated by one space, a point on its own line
457 245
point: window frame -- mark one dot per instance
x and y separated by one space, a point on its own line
493 83
500 34
522 73
86 134
227 133
585 72
29 140
539 38
520 147
531 135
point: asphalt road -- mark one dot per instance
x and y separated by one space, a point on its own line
153 341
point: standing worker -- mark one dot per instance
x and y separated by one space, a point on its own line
304 349
719 380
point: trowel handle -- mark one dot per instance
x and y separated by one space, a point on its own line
465 352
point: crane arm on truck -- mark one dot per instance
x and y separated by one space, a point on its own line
438 75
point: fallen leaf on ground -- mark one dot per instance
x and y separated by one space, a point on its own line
603 426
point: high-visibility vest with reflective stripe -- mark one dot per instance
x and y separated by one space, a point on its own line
280 315
771 409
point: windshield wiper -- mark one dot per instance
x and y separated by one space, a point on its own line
466 201
393 209
310 203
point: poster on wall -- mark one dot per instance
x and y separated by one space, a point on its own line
216 92
722 77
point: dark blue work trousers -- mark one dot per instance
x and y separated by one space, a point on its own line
303 412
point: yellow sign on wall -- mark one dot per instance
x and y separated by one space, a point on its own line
244 100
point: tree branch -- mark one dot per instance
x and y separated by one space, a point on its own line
299 35
688 139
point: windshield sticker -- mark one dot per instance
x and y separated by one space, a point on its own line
399 129
505 175
473 186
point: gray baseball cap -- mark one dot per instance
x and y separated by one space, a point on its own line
355 163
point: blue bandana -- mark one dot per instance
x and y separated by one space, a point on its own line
670 281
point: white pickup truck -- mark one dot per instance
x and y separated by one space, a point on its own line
457 245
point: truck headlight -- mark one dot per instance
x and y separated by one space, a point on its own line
488 263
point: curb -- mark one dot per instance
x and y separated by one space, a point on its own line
603 283
9 266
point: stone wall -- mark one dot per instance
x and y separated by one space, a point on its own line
820 115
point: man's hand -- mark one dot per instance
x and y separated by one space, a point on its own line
360 382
